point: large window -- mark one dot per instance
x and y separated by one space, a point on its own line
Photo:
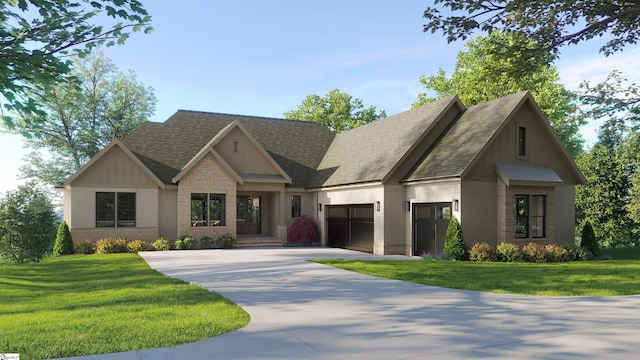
115 209
530 216
295 206
207 210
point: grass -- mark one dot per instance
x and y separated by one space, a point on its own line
96 304
579 278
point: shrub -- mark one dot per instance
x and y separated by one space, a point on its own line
508 252
85 247
533 252
226 241
136 246
178 244
304 231
482 252
64 241
454 245
111 246
187 242
161 244
555 253
206 242
435 256
577 253
589 240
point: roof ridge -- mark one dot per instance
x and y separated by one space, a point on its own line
247 116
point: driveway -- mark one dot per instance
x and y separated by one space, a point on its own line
303 310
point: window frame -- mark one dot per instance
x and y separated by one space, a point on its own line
205 215
117 211
521 146
532 224
296 206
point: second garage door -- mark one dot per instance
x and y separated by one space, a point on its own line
350 227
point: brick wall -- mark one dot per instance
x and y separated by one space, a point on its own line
206 177
507 218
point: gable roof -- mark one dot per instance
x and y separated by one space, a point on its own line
166 148
99 155
372 151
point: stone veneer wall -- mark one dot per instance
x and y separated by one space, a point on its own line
206 177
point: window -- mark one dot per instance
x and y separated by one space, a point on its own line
530 216
115 209
522 141
207 209
295 206
235 146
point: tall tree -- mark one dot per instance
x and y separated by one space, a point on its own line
27 225
337 110
81 119
551 24
482 74
37 35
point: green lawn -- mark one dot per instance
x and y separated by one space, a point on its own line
93 304
580 278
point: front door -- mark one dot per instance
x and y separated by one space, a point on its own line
430 222
248 215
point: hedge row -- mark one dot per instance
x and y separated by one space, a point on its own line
186 242
530 252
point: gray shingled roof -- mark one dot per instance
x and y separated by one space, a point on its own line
369 152
297 146
465 139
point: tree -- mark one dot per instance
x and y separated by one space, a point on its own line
81 119
551 24
480 75
64 241
36 36
603 200
27 225
337 110
454 245
589 240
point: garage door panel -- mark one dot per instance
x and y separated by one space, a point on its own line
350 226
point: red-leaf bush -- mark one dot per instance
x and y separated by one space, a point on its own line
304 231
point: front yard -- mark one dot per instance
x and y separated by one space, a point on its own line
93 304
578 278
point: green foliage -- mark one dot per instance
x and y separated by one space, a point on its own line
100 304
577 253
38 36
161 244
482 252
480 76
556 253
533 252
337 110
508 252
188 242
136 246
85 247
64 241
454 245
178 244
27 225
226 241
111 246
589 240
206 242
552 24
81 119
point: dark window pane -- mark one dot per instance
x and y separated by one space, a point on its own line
538 216
105 209
295 206
522 216
522 138
445 212
126 209
216 209
198 209
364 212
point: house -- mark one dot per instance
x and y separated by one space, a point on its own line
389 187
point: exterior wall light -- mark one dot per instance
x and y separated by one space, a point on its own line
407 205
456 204
377 205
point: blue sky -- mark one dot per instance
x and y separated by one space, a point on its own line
262 57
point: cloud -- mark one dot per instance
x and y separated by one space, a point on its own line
596 69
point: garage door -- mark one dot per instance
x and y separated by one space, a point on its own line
350 227
430 222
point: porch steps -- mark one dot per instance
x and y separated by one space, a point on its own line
257 241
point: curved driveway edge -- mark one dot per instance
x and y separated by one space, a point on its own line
303 310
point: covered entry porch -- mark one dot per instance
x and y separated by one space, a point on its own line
260 214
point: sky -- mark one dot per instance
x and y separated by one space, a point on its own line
263 57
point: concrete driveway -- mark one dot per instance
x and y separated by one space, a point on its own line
302 310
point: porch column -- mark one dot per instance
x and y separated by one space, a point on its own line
282 225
